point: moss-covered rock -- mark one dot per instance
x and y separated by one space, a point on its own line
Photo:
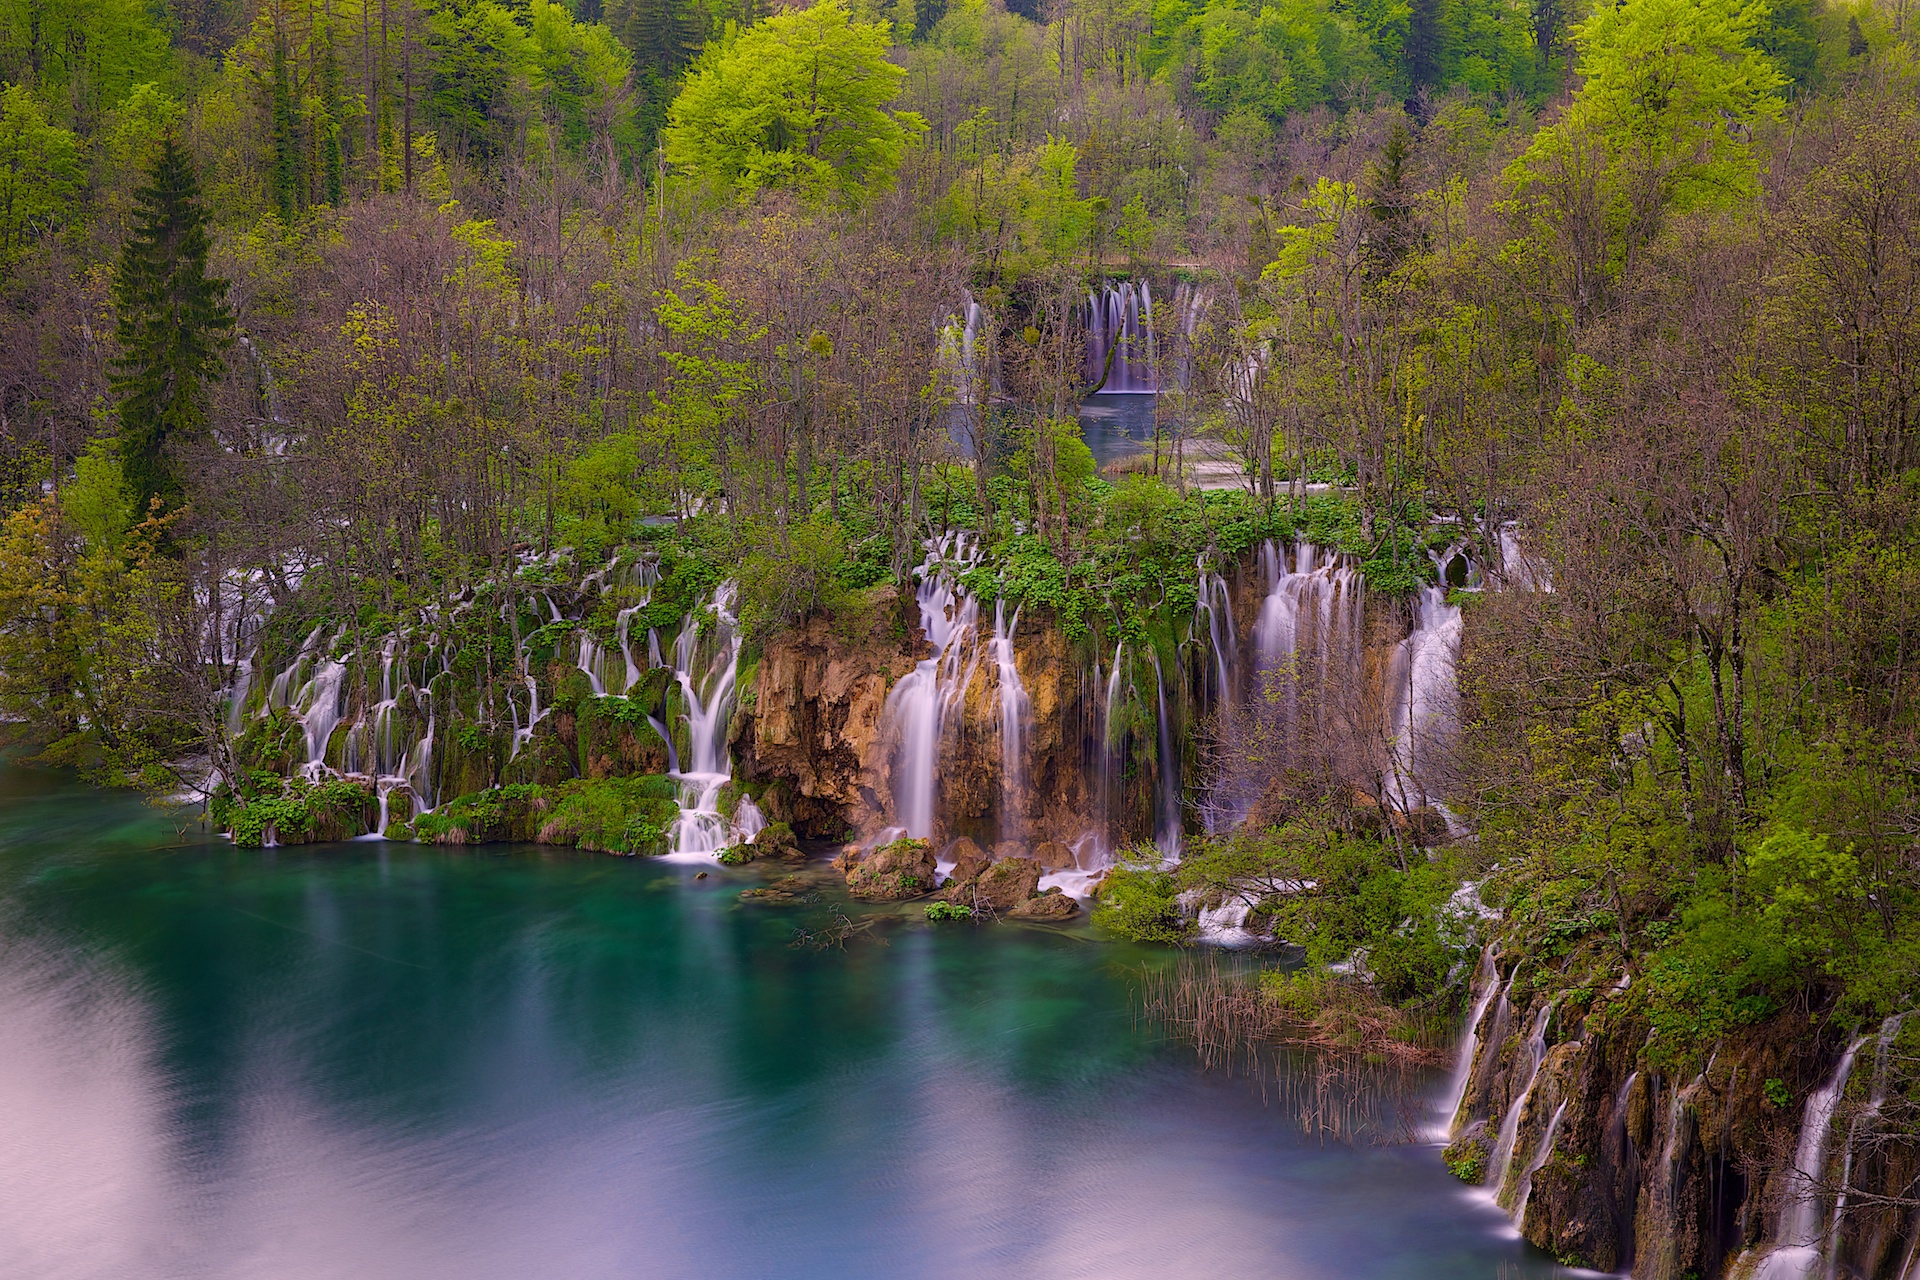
893 872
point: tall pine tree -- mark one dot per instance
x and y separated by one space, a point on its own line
172 324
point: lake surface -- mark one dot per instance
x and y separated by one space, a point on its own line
376 1060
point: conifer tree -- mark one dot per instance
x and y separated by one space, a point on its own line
172 325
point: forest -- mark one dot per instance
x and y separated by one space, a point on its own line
350 335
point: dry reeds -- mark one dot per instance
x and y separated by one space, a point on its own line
1349 1065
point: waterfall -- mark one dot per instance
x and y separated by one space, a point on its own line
1868 1117
1216 602
1016 708
1168 768
701 831
1423 695
593 660
1122 318
645 575
1486 976
1797 1245
1536 1049
319 712
918 705
1540 1157
237 696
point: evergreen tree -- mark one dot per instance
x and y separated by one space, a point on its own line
286 146
172 325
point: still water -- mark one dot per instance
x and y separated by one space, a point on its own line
372 1060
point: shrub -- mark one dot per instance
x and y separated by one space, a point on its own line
1143 905
948 911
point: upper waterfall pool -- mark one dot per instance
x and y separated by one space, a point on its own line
386 1060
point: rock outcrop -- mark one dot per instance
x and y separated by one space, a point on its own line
815 717
1611 1163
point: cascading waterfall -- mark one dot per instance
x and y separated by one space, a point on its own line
1536 1051
702 831
1123 319
1541 1155
1016 708
918 706
1487 977
1796 1253
1167 836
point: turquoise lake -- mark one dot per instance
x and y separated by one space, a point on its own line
385 1060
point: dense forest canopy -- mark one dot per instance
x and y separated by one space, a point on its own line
338 309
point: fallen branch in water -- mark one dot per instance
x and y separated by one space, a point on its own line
836 934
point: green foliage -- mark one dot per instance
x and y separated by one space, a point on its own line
948 911
618 815
797 100
793 577
295 811
1140 901
39 173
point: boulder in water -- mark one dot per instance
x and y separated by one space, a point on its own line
903 869
1051 905
1006 884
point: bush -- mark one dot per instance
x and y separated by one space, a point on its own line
1143 905
948 911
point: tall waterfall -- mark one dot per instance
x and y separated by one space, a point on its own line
1016 709
918 706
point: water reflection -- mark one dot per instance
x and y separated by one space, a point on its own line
402 1062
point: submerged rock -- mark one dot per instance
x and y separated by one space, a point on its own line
1051 905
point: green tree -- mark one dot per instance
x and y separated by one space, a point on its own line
799 100
172 325
39 172
1671 90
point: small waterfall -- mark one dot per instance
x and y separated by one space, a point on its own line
319 712
1224 641
701 830
1168 767
959 348
1866 1120
1016 709
919 704
1540 1157
1536 1050
595 662
1122 319
1423 696
645 575
237 696
1796 1251
1486 977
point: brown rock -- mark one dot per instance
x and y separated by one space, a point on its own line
969 860
1054 856
1007 883
903 869
1051 905
1008 849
